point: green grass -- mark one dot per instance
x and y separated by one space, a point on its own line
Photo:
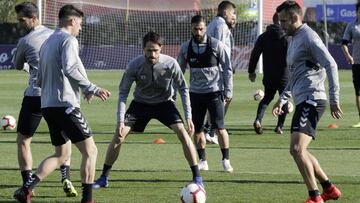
146 172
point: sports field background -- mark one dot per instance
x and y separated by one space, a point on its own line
145 172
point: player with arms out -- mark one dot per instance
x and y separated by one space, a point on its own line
26 58
154 74
204 55
62 78
309 62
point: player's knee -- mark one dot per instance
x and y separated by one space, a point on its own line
296 150
221 132
22 139
92 151
118 140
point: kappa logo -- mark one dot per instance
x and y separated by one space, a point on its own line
303 117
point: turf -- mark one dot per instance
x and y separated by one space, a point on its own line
147 172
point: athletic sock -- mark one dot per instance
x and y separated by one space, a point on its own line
65 172
26 175
32 182
201 153
314 193
195 171
225 153
106 170
326 184
86 192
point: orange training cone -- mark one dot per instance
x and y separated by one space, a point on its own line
159 141
333 126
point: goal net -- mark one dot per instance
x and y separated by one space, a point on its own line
113 29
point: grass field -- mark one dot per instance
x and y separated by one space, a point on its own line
145 172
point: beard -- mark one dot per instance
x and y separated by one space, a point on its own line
198 38
231 25
152 60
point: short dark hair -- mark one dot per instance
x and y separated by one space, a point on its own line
28 8
197 19
152 37
275 18
225 5
291 7
70 10
357 6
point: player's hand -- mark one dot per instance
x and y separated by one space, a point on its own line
277 108
227 99
88 98
120 130
336 112
103 94
191 128
252 77
350 60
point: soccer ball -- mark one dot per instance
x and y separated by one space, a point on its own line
193 193
258 95
8 122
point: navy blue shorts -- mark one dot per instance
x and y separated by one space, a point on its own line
214 103
64 125
307 115
29 116
356 78
139 114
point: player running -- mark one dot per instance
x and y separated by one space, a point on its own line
26 58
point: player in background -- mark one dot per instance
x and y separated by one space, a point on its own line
352 35
62 78
309 62
220 28
210 86
27 58
272 44
154 74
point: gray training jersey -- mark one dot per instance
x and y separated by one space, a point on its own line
307 80
218 29
209 79
62 75
27 51
154 83
352 35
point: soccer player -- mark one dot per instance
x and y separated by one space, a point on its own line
204 55
352 35
154 74
62 78
309 62
30 114
272 44
220 28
